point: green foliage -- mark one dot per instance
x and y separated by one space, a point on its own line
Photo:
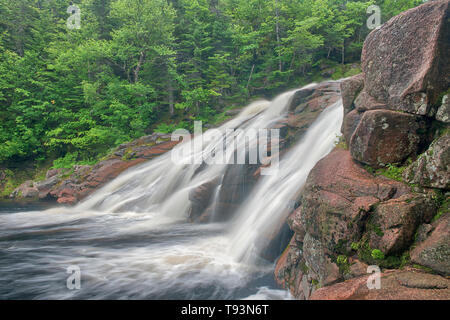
69 160
344 71
352 72
9 184
392 172
15 177
426 269
343 264
374 228
369 169
443 203
341 143
341 259
139 65
355 246
377 254
169 128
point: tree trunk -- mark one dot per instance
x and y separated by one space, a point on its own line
171 101
250 77
277 26
138 67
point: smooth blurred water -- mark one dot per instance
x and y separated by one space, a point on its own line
131 239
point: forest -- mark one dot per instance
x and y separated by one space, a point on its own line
69 94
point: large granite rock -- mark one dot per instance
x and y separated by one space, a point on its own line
432 168
350 88
314 97
340 204
434 251
26 190
290 269
409 284
406 63
333 207
350 123
395 222
443 113
345 211
201 198
319 264
364 102
384 137
406 68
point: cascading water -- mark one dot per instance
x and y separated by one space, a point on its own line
269 202
131 239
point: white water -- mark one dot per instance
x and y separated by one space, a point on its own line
268 204
131 239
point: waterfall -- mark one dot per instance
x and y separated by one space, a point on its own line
268 204
131 239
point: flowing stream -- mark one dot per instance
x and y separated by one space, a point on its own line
131 239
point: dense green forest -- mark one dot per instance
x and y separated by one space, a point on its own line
137 66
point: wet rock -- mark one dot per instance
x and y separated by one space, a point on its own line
340 291
406 62
432 168
237 183
290 269
44 187
67 196
26 190
338 209
201 197
306 286
434 252
315 97
384 137
300 97
274 241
